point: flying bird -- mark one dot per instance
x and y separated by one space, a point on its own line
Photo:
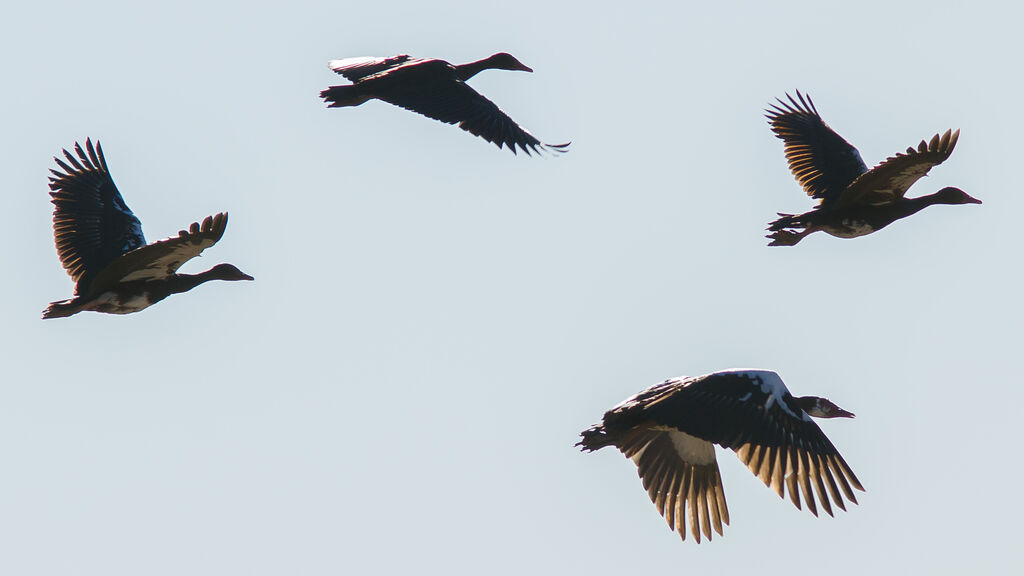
101 246
852 200
438 90
670 429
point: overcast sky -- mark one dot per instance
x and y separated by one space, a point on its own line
434 320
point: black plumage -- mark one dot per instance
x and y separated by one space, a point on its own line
852 200
669 430
436 89
101 246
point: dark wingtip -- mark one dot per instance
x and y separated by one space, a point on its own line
555 149
802 103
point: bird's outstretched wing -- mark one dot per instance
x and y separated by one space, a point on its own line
890 180
163 258
92 225
753 413
681 476
821 160
355 69
432 89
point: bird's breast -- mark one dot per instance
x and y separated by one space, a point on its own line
112 302
850 228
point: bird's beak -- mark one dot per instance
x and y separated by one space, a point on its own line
524 68
974 201
247 277
840 413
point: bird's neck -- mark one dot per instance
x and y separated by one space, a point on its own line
184 282
914 205
806 403
467 71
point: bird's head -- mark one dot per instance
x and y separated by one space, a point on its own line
506 61
821 408
952 195
228 272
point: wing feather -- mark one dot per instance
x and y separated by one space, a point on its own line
890 180
163 258
826 473
92 225
673 484
821 160
682 495
355 69
452 101
819 483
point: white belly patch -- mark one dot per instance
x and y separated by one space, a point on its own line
112 303
851 229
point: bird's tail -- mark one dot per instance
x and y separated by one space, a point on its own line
338 96
61 309
594 438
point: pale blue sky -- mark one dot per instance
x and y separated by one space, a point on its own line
434 321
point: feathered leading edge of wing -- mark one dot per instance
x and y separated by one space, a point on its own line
163 258
821 161
443 97
355 69
92 225
890 180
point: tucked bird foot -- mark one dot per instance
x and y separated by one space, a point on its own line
786 221
786 237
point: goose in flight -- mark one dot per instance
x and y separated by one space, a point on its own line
438 90
852 200
670 429
101 246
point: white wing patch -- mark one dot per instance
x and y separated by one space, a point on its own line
691 449
167 264
161 259
350 62
771 384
